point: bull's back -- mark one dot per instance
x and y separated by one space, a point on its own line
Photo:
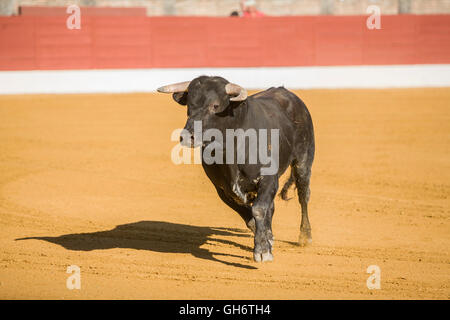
290 104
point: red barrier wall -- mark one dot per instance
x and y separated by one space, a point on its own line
29 42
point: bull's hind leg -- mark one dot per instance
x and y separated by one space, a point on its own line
302 176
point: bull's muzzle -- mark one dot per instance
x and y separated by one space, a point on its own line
189 140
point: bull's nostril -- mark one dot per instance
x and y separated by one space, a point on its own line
187 139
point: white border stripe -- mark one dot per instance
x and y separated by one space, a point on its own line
147 80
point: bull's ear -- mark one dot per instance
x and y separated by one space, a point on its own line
180 97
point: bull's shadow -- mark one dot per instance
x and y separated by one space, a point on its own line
155 236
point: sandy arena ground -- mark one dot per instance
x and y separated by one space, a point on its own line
89 181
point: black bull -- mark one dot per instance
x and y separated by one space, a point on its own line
222 105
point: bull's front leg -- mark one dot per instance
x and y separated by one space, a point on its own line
261 208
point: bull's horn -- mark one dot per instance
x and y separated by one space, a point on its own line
175 87
235 90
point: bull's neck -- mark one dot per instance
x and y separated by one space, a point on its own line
237 115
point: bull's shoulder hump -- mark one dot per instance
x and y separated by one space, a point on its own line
281 95
281 99
269 93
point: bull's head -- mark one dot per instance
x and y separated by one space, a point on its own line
206 98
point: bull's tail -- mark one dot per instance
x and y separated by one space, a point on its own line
289 182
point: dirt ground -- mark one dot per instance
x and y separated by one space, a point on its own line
87 180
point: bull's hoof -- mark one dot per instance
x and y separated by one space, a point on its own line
263 257
257 257
267 256
304 239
